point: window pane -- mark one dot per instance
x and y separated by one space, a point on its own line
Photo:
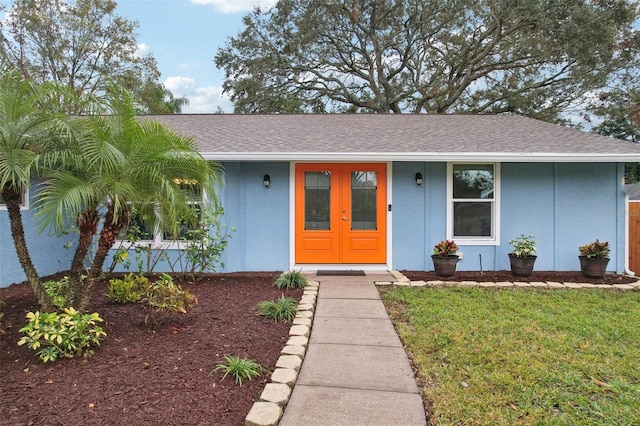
136 230
473 181
192 192
188 225
363 200
317 198
22 201
193 217
472 219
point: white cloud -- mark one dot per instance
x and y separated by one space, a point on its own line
202 99
142 50
234 6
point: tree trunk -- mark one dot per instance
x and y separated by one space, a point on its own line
108 236
88 227
12 199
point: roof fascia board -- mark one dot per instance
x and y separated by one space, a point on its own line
423 156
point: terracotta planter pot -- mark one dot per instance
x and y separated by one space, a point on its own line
593 268
445 266
522 266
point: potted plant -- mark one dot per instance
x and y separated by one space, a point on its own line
594 258
445 259
523 255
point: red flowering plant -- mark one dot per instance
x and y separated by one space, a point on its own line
445 248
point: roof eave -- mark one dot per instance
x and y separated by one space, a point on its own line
507 157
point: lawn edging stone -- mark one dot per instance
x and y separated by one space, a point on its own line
268 410
402 281
263 414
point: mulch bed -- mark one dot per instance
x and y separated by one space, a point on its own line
140 376
536 276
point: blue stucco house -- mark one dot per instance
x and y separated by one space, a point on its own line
366 191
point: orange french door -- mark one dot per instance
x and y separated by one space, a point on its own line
340 213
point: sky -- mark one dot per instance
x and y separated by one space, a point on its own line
184 36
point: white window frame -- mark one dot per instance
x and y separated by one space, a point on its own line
492 240
157 242
24 205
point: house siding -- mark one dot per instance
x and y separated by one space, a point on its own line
47 252
259 215
564 205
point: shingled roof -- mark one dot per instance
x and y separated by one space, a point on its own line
393 137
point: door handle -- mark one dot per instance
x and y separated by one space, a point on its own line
344 218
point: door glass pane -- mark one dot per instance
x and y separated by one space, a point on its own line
317 198
364 194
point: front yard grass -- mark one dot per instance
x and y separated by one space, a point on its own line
505 357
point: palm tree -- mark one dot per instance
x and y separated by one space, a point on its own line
173 104
120 164
26 133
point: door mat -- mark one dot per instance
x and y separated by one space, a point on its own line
353 273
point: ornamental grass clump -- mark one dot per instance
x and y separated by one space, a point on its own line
291 279
239 368
281 310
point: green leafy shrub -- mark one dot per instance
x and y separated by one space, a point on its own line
167 297
203 244
283 309
57 291
129 289
524 246
121 256
291 279
67 334
239 368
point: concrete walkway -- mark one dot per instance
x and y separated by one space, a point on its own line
345 365
355 371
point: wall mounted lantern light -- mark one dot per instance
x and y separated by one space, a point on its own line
266 181
419 179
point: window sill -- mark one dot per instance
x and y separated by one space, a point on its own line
462 241
154 245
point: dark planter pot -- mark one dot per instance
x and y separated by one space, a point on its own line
593 268
522 266
445 266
